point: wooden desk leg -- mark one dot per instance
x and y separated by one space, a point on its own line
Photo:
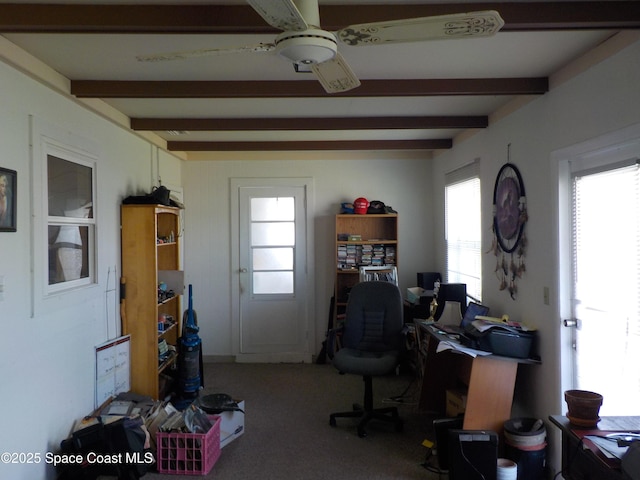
490 394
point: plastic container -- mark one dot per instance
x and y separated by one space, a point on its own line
189 453
531 463
507 469
525 440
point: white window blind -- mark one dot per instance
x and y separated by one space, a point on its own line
463 228
606 284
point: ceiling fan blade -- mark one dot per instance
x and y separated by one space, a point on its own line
161 57
282 14
335 75
459 25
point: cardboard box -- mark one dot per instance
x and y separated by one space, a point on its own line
456 402
414 294
232 425
419 296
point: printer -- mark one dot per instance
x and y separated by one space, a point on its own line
631 461
498 337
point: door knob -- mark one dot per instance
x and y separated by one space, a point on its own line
243 270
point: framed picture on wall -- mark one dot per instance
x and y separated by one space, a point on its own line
8 199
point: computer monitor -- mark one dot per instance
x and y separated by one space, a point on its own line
473 310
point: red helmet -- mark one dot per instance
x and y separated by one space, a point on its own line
360 205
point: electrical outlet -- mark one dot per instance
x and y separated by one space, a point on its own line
545 295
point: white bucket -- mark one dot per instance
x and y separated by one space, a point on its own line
507 469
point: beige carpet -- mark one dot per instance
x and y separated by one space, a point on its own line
287 432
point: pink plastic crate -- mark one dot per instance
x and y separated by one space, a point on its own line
189 453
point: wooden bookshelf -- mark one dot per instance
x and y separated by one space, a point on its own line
376 233
150 255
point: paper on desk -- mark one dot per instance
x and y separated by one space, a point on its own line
445 345
483 323
607 446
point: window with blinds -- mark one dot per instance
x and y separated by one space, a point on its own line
606 284
463 228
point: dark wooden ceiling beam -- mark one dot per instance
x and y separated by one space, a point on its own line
306 88
162 18
322 123
438 144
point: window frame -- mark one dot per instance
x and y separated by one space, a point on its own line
82 159
47 138
465 173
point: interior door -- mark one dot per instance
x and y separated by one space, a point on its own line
272 274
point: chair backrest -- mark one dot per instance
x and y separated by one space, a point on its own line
374 318
387 273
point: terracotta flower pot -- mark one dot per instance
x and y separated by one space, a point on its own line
584 406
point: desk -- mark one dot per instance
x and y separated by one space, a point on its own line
579 463
490 379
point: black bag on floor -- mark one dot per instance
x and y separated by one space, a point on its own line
115 449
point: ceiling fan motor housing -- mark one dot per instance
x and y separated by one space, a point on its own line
307 47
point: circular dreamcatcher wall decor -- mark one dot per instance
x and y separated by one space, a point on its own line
509 219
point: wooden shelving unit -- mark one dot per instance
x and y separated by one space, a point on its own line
377 232
151 255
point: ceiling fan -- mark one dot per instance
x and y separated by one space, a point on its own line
312 49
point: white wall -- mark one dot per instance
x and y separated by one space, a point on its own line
47 362
401 181
601 100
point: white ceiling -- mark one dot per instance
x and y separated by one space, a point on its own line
111 56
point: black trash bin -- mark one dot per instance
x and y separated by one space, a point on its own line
526 444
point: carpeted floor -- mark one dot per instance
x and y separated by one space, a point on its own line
287 432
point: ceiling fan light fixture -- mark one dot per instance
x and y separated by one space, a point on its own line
309 47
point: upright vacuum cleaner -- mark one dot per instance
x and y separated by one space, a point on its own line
190 354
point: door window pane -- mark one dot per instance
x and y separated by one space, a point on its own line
273 259
269 209
273 233
273 238
273 282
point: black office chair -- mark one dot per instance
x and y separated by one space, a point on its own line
371 346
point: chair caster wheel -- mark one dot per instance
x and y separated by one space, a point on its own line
362 433
332 421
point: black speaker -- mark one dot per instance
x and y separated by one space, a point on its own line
473 455
454 292
442 427
426 280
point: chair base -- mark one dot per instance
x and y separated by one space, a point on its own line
368 413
